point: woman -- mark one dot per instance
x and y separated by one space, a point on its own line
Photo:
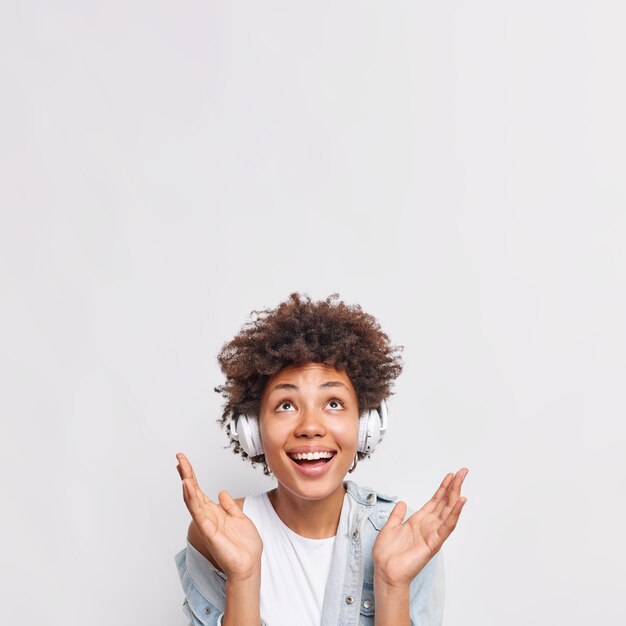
305 393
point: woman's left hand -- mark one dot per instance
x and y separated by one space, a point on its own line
402 549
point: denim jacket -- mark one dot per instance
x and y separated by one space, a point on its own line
349 596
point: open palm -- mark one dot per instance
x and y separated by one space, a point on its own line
231 537
402 549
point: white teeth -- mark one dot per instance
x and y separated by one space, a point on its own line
312 456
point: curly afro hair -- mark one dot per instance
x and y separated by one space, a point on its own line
298 331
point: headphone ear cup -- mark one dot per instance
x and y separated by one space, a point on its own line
362 441
384 418
372 428
369 431
248 435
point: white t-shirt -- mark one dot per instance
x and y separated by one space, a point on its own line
294 569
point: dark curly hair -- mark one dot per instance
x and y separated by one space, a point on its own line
298 331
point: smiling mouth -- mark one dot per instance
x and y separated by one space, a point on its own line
312 458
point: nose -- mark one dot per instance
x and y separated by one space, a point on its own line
311 424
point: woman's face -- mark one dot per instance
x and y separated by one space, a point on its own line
309 421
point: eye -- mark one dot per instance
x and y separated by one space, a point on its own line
284 407
335 405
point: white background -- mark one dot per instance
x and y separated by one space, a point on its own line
457 168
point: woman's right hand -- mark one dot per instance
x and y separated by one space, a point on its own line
230 536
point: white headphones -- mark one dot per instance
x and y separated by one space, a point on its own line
372 427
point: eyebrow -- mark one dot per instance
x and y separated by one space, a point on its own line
290 387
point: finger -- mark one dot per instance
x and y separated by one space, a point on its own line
198 509
458 480
452 494
397 515
190 496
450 522
431 505
191 489
229 505
187 469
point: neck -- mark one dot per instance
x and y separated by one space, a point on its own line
314 519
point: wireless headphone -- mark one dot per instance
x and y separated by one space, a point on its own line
372 427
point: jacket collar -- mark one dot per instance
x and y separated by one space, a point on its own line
365 495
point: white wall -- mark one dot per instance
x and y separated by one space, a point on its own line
455 167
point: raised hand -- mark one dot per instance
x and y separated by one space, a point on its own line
401 550
230 536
